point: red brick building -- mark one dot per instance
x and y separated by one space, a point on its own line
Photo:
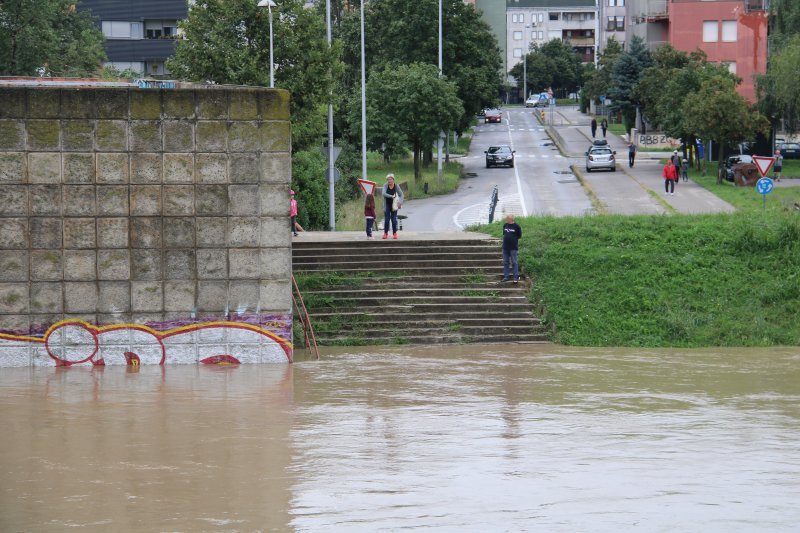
732 32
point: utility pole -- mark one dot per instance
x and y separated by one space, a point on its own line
331 181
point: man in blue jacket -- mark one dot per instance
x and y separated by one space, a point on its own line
512 233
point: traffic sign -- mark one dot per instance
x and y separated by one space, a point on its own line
336 175
763 163
764 186
367 186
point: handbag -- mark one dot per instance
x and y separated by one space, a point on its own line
395 203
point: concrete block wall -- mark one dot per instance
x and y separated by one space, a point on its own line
155 210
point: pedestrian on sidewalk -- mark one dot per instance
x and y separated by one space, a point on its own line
670 177
293 214
685 170
512 233
631 154
778 165
369 213
392 202
594 127
676 161
604 127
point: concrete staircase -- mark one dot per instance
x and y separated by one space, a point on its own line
422 291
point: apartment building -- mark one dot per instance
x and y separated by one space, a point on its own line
539 21
140 34
730 32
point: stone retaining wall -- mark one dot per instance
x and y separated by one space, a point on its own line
155 212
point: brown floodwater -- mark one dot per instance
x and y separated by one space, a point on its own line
448 438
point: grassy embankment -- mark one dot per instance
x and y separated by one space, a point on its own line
671 280
350 215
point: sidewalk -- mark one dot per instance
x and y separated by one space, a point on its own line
637 190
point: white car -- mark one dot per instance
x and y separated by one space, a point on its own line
600 157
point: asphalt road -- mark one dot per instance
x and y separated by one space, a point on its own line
541 182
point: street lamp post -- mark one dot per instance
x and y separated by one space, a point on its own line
363 101
441 135
331 180
269 4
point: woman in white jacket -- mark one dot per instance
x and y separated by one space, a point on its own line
392 202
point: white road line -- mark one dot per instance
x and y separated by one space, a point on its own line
516 175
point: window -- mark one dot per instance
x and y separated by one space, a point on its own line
729 31
517 52
616 3
119 30
710 31
533 34
517 36
541 35
517 17
615 24
731 66
541 17
554 16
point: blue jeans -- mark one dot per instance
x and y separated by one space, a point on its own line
387 215
369 226
510 262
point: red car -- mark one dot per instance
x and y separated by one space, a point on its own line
493 115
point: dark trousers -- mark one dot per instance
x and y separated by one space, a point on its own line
387 216
669 186
631 157
369 226
294 228
510 263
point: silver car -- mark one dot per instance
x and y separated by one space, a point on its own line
600 157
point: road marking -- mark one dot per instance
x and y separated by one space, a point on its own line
516 175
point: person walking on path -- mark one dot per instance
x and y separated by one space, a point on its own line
293 214
676 162
670 177
778 165
604 127
631 153
685 170
393 201
512 233
594 127
369 213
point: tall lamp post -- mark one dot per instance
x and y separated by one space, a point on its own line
331 181
441 134
269 4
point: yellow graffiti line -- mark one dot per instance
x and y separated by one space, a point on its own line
154 332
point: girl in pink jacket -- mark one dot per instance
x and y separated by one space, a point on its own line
293 214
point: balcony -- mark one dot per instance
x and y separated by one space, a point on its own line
653 11
579 41
755 5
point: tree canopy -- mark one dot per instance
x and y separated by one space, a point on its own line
553 64
48 38
598 82
412 101
626 74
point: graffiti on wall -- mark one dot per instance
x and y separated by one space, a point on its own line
75 342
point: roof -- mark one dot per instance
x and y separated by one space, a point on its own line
550 3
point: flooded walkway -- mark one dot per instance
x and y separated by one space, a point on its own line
474 438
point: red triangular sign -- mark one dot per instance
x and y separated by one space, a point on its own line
763 164
367 186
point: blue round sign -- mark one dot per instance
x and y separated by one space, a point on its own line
764 186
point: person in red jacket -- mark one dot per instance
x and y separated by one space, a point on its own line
670 177
293 214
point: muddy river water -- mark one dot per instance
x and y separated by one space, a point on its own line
464 438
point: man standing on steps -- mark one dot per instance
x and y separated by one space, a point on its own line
512 233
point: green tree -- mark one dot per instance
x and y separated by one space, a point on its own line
48 37
553 64
716 111
779 92
412 100
627 72
598 81
406 32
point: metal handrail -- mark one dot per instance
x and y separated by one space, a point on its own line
305 320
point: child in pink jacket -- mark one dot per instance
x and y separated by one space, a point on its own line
293 214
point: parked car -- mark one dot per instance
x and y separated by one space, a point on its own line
499 155
531 101
600 157
732 161
493 115
790 150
